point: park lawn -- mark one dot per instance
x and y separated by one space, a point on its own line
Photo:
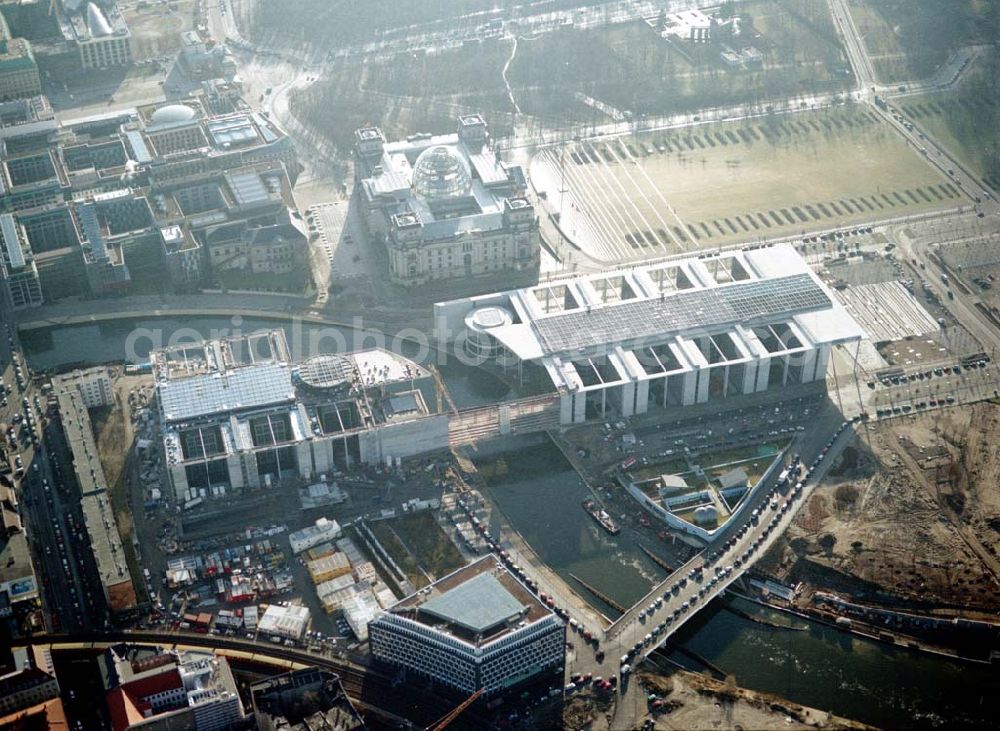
675 466
798 169
739 181
725 457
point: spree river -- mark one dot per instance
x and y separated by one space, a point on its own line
540 494
132 340
822 667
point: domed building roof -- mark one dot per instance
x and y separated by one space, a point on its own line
441 172
97 24
172 113
326 372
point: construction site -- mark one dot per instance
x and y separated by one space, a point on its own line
908 519
632 364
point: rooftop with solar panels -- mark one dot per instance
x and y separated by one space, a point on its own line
732 322
247 394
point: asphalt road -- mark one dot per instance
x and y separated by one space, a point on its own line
693 585
51 513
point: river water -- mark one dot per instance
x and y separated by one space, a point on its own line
820 667
542 497
540 494
850 676
132 340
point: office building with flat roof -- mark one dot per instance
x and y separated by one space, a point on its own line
155 690
18 583
98 30
18 71
31 684
27 123
22 287
322 531
93 385
477 628
288 622
95 500
163 196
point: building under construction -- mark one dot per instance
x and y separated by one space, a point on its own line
238 414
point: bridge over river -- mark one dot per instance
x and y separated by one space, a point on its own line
682 594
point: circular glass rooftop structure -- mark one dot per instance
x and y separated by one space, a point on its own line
479 343
324 372
441 172
486 318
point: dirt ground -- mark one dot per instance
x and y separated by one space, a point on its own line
114 435
692 701
911 514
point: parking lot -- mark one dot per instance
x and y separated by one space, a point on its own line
899 392
339 247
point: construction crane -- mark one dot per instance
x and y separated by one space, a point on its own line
456 711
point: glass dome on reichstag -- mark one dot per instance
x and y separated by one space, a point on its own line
172 113
441 172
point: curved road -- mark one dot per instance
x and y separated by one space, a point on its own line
372 689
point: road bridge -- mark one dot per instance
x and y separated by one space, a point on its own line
694 585
681 595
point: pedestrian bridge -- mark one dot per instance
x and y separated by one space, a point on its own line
524 416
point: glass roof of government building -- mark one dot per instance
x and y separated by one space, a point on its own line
440 172
242 388
745 302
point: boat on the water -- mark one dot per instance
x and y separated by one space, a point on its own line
601 516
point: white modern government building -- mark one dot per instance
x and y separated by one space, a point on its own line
663 335
477 628
238 414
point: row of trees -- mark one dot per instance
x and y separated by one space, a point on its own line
928 30
329 24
